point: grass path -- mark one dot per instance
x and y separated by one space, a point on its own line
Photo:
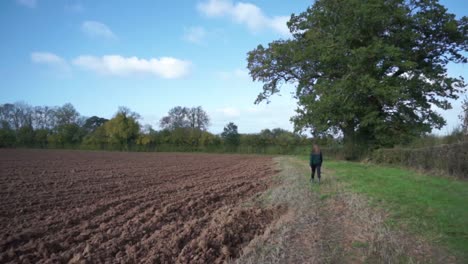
327 223
433 207
304 234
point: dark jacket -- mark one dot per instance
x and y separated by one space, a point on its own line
316 159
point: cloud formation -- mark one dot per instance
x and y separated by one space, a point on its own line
27 3
50 59
46 58
97 29
246 14
165 67
56 63
195 34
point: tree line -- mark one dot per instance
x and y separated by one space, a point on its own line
182 129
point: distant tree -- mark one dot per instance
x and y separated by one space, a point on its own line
265 137
230 135
64 123
81 121
6 116
98 139
368 70
92 123
66 114
164 136
17 115
148 129
16 121
279 131
7 137
277 136
24 113
25 136
198 118
70 134
40 137
5 125
148 138
181 136
184 117
176 118
123 128
209 140
128 113
249 140
44 117
284 138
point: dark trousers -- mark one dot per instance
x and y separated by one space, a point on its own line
313 168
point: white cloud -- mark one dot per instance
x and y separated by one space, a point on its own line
57 65
46 58
279 24
250 15
246 14
97 29
50 59
27 3
165 67
229 112
195 34
214 8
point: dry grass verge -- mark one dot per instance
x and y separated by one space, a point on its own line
327 224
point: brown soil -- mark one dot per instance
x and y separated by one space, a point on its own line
109 207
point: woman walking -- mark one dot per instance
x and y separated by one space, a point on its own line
315 162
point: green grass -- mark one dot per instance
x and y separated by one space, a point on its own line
434 207
359 244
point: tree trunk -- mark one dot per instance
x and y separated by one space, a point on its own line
349 142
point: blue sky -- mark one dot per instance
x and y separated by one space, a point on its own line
151 56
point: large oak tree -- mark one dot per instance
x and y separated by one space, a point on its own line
373 71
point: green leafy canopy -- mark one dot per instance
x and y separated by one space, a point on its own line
373 71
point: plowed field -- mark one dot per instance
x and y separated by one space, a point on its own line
96 207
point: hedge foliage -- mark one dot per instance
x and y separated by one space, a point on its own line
449 160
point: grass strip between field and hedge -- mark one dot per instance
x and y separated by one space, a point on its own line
434 207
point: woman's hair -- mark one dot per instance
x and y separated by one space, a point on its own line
315 149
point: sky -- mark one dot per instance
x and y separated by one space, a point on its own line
153 55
